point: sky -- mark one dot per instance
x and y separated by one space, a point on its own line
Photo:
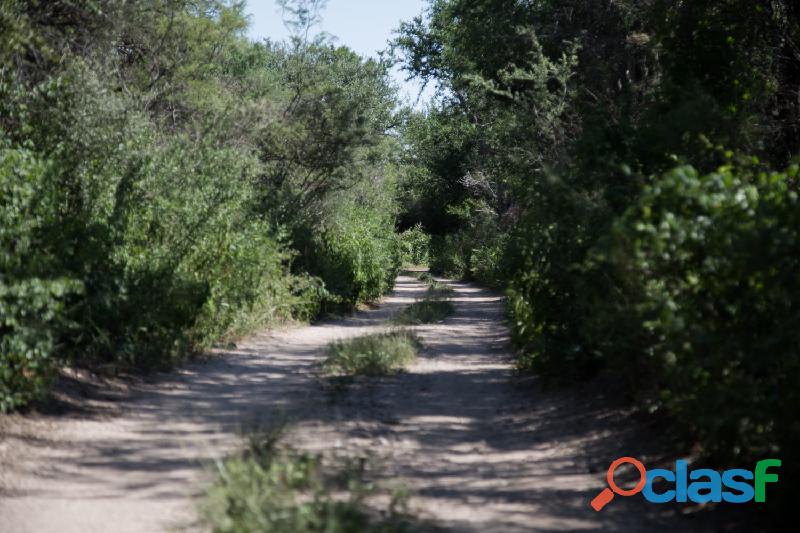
363 25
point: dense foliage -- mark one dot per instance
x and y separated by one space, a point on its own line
707 267
415 246
624 170
166 183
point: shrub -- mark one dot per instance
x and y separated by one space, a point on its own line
415 246
475 251
250 285
486 262
357 256
131 250
32 300
449 256
547 292
147 216
710 271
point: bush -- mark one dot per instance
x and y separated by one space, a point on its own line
548 287
129 250
415 246
486 262
357 256
475 251
250 286
147 215
32 300
708 271
449 256
33 295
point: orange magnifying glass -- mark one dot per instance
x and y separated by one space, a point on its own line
607 494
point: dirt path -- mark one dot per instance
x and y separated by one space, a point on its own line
480 448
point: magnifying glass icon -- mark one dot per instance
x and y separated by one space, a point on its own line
607 494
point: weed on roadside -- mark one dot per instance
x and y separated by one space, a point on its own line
425 311
437 289
372 355
269 488
424 277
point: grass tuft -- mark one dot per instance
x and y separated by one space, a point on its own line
267 488
425 277
372 355
425 311
433 308
437 289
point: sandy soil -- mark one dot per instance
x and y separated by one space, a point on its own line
481 448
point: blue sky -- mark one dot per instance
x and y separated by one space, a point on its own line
363 25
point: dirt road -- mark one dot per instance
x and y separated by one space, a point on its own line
480 448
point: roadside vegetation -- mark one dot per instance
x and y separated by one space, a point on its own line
272 488
415 246
627 172
166 184
378 354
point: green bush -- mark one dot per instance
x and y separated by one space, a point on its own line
475 251
147 214
32 298
356 256
415 246
162 237
486 262
548 284
129 248
708 273
250 285
449 256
